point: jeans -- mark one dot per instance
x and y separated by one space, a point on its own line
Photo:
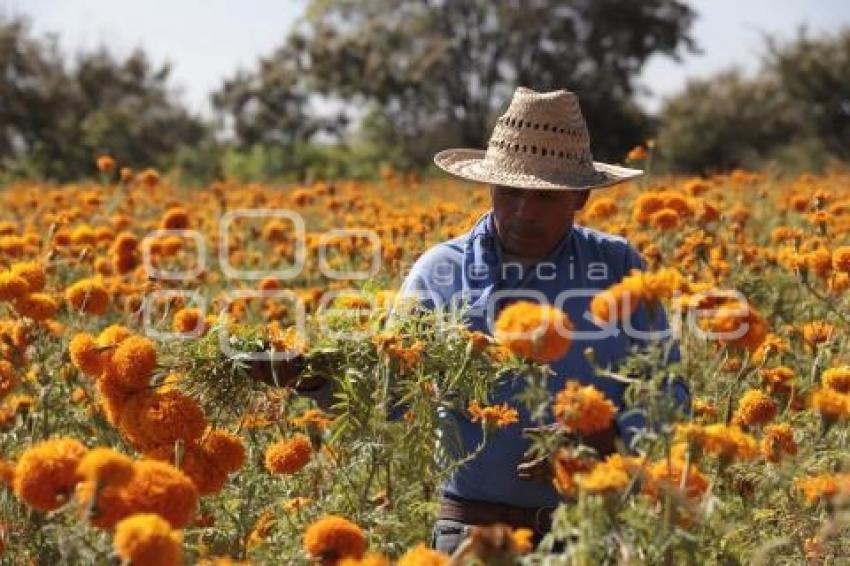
447 535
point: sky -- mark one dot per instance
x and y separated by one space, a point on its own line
208 40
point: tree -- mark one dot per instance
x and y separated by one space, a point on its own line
793 114
434 72
270 104
813 74
724 122
56 119
33 88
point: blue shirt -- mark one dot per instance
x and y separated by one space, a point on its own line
470 269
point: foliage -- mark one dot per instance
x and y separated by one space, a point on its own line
431 74
56 119
793 114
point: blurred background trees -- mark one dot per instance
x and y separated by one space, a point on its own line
794 114
359 85
55 117
427 75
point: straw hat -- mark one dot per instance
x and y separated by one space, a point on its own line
540 142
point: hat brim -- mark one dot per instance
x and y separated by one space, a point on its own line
469 164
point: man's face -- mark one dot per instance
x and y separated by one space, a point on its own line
530 222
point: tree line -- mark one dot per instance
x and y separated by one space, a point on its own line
358 85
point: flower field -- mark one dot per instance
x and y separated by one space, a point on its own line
226 375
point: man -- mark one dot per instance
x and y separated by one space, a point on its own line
539 167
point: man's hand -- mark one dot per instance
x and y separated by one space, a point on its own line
540 469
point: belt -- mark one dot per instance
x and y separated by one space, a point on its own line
474 512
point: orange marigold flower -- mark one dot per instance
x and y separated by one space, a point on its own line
696 186
704 409
269 284
288 456
728 442
654 286
738 325
603 207
158 487
12 286
819 261
149 177
667 474
8 378
33 273
262 528
78 395
20 403
132 363
208 477
106 466
664 219
125 244
226 450
609 476
839 283
755 408
85 354
830 404
113 335
772 344
777 379
37 306
782 234
146 539
148 419
122 264
583 408
718 440
287 339
176 218
126 174
818 332
567 465
88 296
522 541
778 441
679 202
312 418
614 304
332 538
532 331
824 486
352 301
189 320
105 163
841 259
494 416
645 206
478 341
46 473
837 379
